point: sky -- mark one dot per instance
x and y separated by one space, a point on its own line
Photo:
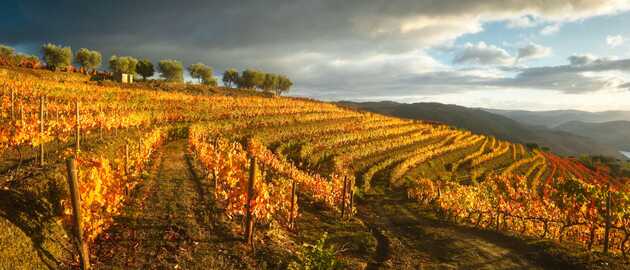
503 54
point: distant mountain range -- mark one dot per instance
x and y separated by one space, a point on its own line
552 119
614 133
571 137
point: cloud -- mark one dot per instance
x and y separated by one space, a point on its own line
482 54
533 51
614 41
550 29
522 22
584 74
328 47
580 60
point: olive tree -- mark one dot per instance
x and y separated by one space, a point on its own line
171 70
56 56
230 77
6 51
145 68
123 64
88 59
284 84
271 82
251 79
203 73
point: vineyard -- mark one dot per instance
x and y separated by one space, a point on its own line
263 158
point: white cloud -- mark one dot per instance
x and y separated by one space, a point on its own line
582 59
522 22
533 51
550 29
482 54
614 41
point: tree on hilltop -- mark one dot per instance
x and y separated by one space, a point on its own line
171 70
271 82
145 68
284 84
123 64
230 77
203 73
88 59
251 79
6 51
56 56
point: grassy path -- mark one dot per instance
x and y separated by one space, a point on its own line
167 222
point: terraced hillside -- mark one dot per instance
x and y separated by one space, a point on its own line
279 171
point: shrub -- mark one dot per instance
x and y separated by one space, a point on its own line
317 257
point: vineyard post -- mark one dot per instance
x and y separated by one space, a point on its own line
76 214
608 225
249 219
21 113
291 213
12 104
78 129
214 170
127 159
351 196
45 109
343 196
41 131
215 182
100 123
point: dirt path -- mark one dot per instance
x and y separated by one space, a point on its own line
167 223
410 238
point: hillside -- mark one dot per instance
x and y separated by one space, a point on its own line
551 119
483 122
615 133
172 180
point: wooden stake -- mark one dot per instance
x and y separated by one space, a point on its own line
41 131
76 214
127 159
292 212
100 123
78 131
12 104
351 196
249 219
608 225
22 113
214 172
343 196
216 183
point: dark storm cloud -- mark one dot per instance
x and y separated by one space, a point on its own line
329 47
